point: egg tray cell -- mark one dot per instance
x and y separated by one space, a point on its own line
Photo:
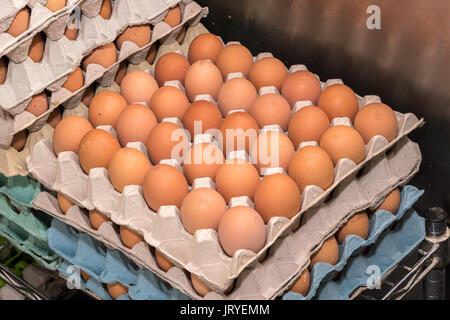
28 78
353 244
376 180
81 251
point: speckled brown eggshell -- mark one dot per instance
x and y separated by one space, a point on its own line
173 17
140 35
38 104
105 108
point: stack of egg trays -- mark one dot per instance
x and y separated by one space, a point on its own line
81 251
401 241
28 78
25 227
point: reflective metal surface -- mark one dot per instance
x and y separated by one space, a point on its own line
406 62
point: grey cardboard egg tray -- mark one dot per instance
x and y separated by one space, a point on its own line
289 256
41 19
31 78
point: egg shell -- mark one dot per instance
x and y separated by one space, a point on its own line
166 141
376 119
3 69
236 178
299 86
88 95
328 253
239 130
38 104
105 108
138 86
241 228
168 102
85 276
202 209
20 22
54 117
268 72
199 286
206 46
311 165
302 284
272 149
150 58
75 80
105 55
106 9
129 237
173 17
277 195
55 5
97 219
203 77
64 203
358 225
391 202
237 93
343 142
69 132
128 166
19 140
308 124
181 34
36 50
162 261
234 58
134 123
338 100
71 33
164 185
202 160
140 35
97 147
121 73
207 115
271 109
171 66
116 289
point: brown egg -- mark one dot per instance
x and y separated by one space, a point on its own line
97 149
199 286
268 72
169 102
19 140
3 69
36 51
116 289
74 81
97 218
376 119
343 142
166 140
164 185
173 17
202 209
55 5
205 113
272 149
140 35
105 108
88 94
205 46
271 109
391 202
338 100
239 130
127 167
241 228
181 34
20 22
277 195
234 58
69 132
203 77
312 166
135 123
171 66
358 225
55 117
64 203
302 284
106 9
237 93
236 178
123 67
105 56
202 160
328 253
301 85
152 54
162 261
307 124
129 237
85 276
38 104
71 31
138 86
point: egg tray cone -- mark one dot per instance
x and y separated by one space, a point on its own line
28 78
104 266
353 244
202 251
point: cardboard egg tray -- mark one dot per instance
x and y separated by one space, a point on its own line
378 178
29 78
